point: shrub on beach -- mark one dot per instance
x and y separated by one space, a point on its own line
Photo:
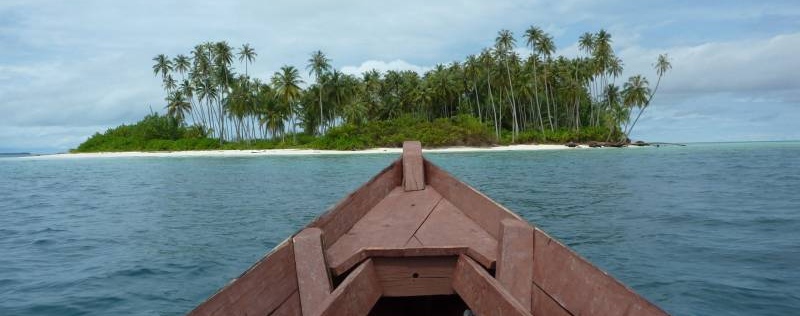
456 131
153 133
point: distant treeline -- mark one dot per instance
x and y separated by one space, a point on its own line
165 133
511 96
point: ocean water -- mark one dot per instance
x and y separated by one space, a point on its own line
707 229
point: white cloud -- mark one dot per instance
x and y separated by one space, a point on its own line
383 66
67 66
741 66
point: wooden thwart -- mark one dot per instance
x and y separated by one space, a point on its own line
414 238
313 280
415 276
413 169
483 294
514 260
356 295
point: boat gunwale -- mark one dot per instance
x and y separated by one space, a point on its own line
329 216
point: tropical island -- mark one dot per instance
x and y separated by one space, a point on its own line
493 97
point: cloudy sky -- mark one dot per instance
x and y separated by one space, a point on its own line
71 68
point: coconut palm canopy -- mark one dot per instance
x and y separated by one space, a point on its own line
498 86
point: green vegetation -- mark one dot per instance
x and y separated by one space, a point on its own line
496 96
164 133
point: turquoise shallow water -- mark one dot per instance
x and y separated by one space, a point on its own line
708 229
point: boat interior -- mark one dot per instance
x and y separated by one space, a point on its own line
414 240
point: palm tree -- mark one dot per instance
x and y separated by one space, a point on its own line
162 66
635 93
287 87
169 84
223 57
318 65
177 107
471 73
188 91
181 64
546 47
504 45
247 55
206 91
662 65
533 36
615 114
487 62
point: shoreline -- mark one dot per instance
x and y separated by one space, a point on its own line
302 152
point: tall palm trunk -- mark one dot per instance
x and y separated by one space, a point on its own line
477 101
513 104
644 107
494 109
536 96
321 125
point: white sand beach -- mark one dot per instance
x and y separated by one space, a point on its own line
303 152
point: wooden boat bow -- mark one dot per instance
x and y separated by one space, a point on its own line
415 240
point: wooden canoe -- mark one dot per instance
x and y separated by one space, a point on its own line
416 241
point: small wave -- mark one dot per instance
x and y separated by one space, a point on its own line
49 230
137 272
43 242
8 232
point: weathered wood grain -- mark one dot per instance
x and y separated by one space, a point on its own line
390 224
341 217
478 207
545 305
356 294
415 276
259 290
290 307
514 260
482 293
313 280
413 169
580 287
448 227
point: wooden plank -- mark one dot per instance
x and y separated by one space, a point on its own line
415 276
313 280
580 287
543 304
356 295
390 224
482 293
515 259
377 252
448 227
478 207
413 169
341 217
290 307
413 243
259 290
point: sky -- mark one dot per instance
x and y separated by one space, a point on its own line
69 69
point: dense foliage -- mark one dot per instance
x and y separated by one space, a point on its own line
164 133
538 97
153 133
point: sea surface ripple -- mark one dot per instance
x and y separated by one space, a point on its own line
707 229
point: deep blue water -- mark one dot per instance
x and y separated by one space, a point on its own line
708 229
